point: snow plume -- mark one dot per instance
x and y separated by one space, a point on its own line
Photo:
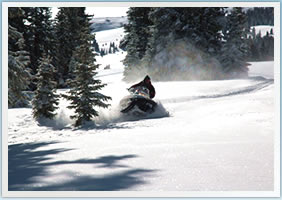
108 117
181 60
136 72
174 61
60 121
159 112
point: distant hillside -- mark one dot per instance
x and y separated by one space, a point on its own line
108 23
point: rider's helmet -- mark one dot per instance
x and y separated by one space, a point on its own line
147 79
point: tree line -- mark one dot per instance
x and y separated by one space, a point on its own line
167 43
260 16
192 43
113 48
45 54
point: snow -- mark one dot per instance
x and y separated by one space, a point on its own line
263 29
218 137
107 36
107 23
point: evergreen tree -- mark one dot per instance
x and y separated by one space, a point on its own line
96 46
18 59
271 31
260 16
234 49
16 18
69 23
37 28
199 27
261 48
39 34
83 94
136 40
45 99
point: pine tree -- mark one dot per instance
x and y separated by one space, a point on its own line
39 34
18 59
16 18
194 27
45 99
201 26
69 23
83 94
234 49
96 46
36 26
271 31
136 40
260 16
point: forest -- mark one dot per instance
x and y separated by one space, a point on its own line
195 43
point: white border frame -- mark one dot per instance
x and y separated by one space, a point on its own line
6 193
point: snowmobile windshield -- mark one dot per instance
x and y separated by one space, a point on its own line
142 91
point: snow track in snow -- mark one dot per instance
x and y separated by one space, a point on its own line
258 86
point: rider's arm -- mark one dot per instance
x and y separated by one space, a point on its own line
136 85
152 92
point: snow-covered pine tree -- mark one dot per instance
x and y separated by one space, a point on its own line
83 94
233 52
16 18
18 74
45 99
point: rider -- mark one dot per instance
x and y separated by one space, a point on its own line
146 83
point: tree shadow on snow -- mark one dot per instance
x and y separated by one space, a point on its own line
111 182
26 163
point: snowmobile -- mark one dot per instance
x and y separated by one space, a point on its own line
138 103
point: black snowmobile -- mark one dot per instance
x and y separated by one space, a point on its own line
138 103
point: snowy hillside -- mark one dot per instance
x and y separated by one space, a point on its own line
105 37
108 23
217 137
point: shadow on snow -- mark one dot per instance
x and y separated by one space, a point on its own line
26 163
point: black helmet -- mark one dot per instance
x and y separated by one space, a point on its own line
147 77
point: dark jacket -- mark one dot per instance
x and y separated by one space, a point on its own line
147 85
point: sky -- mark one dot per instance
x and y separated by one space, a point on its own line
102 11
107 11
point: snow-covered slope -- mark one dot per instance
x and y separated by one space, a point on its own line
107 36
108 23
218 136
